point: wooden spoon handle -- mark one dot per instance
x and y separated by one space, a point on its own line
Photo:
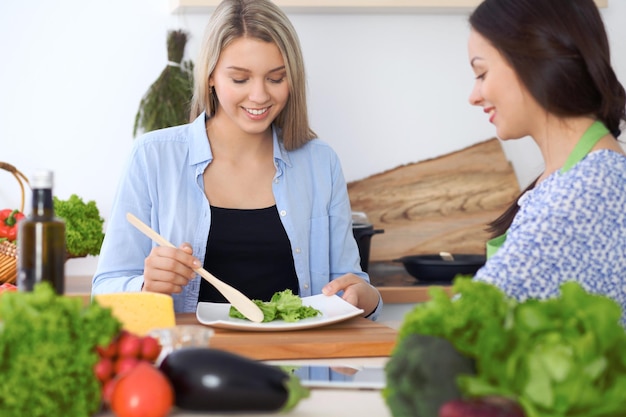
236 297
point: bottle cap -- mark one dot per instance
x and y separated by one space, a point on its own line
42 179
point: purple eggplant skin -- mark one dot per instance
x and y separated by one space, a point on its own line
206 379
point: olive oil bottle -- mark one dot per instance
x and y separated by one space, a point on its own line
41 240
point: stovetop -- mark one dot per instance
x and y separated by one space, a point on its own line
393 274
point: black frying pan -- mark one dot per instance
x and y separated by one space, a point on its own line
436 268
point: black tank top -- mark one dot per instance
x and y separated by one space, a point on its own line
250 250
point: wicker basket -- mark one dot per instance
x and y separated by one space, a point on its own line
8 250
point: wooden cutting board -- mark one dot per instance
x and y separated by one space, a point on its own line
442 204
356 337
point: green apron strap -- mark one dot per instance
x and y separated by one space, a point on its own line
592 135
494 244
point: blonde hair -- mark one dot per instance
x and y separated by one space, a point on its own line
259 19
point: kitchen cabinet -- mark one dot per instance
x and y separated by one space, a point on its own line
349 6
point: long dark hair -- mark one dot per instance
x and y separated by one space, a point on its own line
560 52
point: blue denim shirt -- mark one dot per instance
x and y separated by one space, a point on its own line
163 186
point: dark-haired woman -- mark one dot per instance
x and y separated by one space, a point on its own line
543 70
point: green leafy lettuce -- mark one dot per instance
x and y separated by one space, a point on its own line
83 225
284 305
47 353
564 356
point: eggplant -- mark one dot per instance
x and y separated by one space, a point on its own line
206 379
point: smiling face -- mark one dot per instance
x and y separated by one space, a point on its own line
497 89
251 84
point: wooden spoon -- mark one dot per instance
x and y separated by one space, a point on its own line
446 256
245 305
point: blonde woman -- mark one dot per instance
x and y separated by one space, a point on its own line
245 189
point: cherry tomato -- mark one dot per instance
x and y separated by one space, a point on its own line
129 345
123 365
109 351
107 390
142 392
104 369
150 348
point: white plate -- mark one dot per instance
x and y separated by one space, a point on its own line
333 308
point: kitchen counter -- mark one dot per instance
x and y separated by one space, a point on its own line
328 402
396 286
322 402
400 291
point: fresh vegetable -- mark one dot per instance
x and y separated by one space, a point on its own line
107 392
206 379
284 305
83 225
48 353
421 375
8 223
104 370
142 392
150 349
121 355
563 356
5 286
129 345
123 365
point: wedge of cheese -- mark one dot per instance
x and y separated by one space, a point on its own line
140 312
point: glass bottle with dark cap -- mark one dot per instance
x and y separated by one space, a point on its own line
41 240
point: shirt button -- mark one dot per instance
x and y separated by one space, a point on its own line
276 181
283 213
306 286
298 250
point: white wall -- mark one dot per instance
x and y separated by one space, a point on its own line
384 90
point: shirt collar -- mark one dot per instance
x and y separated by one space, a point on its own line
280 153
200 149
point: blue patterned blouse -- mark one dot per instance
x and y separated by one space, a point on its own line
572 226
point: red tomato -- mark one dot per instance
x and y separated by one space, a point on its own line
109 351
123 365
150 348
107 390
142 392
104 369
129 345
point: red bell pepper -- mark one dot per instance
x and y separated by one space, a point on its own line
8 223
7 287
